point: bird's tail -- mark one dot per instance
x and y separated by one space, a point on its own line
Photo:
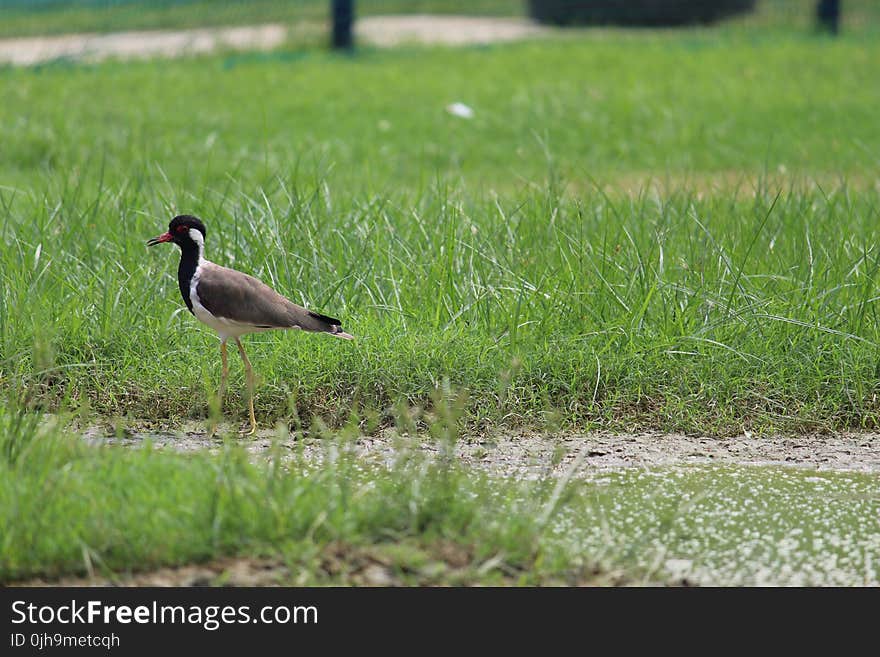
331 325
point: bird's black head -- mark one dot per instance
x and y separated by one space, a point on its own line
179 232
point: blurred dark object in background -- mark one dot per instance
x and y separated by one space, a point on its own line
343 21
828 14
635 12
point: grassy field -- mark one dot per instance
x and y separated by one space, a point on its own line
114 512
671 230
106 511
523 255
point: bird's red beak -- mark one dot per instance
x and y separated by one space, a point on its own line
164 237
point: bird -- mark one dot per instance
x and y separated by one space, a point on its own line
234 303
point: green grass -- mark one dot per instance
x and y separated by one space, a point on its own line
67 509
111 512
504 254
637 230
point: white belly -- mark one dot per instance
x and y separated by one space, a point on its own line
226 328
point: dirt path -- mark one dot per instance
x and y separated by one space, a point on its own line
383 31
386 31
532 455
138 45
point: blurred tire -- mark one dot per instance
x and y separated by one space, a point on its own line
648 13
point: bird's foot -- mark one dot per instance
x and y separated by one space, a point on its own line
249 432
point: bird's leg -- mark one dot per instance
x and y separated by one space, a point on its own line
224 373
249 373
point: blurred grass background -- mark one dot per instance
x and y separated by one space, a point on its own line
38 17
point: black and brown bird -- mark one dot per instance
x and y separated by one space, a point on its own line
233 303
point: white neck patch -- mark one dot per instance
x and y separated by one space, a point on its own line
197 237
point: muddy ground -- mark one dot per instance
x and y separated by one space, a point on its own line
533 455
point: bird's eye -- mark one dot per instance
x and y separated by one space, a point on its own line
181 229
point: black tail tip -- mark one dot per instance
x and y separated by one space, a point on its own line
324 318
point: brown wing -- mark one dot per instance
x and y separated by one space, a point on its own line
233 295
